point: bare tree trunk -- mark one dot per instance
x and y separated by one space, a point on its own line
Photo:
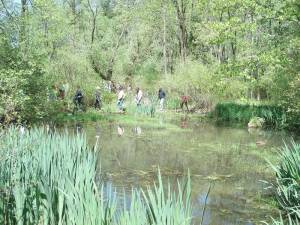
94 12
164 40
181 16
24 8
232 42
93 30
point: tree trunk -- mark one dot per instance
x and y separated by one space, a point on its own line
164 40
24 9
181 16
93 29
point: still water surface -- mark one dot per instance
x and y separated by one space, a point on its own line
231 159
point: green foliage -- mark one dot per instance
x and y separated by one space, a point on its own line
108 97
288 175
211 49
232 112
23 86
287 187
289 221
51 179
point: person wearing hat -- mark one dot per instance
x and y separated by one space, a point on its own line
97 98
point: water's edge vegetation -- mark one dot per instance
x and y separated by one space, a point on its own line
287 186
51 178
272 116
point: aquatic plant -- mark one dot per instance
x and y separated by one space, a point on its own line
50 179
287 186
288 177
233 112
281 221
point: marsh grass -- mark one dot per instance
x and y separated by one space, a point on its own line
273 116
50 179
287 186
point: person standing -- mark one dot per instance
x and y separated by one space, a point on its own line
97 98
184 101
61 92
138 97
78 98
121 98
53 93
161 97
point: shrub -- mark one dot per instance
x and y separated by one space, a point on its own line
274 116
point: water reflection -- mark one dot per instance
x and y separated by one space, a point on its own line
120 130
137 130
78 128
228 156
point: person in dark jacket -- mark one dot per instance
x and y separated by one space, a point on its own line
97 98
78 98
161 97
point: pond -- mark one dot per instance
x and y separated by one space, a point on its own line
230 160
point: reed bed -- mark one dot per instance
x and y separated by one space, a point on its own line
287 186
273 116
50 179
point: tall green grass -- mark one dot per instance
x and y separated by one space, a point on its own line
287 186
50 179
288 178
232 112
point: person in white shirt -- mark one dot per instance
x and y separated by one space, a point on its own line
121 97
138 97
161 97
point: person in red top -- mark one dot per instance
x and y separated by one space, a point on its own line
184 101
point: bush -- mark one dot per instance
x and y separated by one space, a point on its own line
23 92
194 80
274 116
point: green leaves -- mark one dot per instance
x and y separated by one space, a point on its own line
50 179
287 182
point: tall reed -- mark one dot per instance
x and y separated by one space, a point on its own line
287 186
273 116
50 179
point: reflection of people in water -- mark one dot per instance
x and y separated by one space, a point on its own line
49 128
97 131
78 128
137 130
120 130
183 122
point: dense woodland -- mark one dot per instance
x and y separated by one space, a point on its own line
237 59
237 50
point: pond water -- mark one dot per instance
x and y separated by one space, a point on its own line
231 160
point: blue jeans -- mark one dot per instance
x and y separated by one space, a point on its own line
120 104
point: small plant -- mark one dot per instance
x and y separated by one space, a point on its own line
287 187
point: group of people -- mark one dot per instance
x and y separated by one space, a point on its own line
139 98
58 91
